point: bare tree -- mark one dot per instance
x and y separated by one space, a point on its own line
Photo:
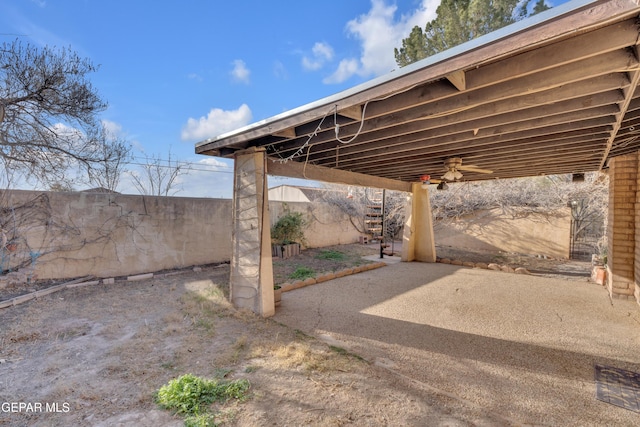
61 187
158 177
115 153
536 194
587 199
49 109
353 201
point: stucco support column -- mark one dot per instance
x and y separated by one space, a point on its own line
251 279
418 242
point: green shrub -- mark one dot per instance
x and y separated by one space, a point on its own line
302 273
289 229
200 420
188 394
334 255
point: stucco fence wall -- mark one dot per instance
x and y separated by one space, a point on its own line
76 234
515 230
67 235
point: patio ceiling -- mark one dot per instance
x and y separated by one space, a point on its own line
554 94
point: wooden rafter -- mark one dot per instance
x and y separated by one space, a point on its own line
635 79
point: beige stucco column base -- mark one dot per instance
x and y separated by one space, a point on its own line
251 278
418 242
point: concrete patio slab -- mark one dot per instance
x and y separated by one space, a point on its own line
511 349
387 259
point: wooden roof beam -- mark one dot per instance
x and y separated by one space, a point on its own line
288 133
440 151
629 93
354 112
458 79
544 81
572 151
319 173
465 139
597 91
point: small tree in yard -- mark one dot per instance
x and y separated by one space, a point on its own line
289 229
50 135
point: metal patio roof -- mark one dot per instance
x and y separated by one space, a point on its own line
555 93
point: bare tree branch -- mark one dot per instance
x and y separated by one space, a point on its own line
50 109
158 177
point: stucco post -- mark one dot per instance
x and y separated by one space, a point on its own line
251 278
418 242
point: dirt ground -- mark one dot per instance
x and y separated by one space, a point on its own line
95 356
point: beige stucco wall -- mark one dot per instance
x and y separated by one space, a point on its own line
514 231
106 235
78 234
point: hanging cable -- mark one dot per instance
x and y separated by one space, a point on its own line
300 150
335 120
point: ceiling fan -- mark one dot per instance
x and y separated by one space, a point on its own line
453 166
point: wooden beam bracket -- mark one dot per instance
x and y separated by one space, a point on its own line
458 79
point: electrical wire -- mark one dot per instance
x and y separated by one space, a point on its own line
183 164
300 150
335 120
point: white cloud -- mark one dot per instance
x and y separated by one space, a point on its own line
240 72
379 32
208 177
112 128
195 76
217 122
67 132
321 53
346 69
280 71
214 163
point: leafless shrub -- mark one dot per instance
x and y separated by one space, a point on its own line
158 177
587 199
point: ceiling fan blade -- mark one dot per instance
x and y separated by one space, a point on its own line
476 169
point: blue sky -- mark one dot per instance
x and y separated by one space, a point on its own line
175 73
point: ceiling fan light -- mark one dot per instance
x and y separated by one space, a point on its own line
457 175
449 176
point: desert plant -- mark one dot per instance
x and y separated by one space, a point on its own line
188 394
289 229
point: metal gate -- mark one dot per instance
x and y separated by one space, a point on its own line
587 228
